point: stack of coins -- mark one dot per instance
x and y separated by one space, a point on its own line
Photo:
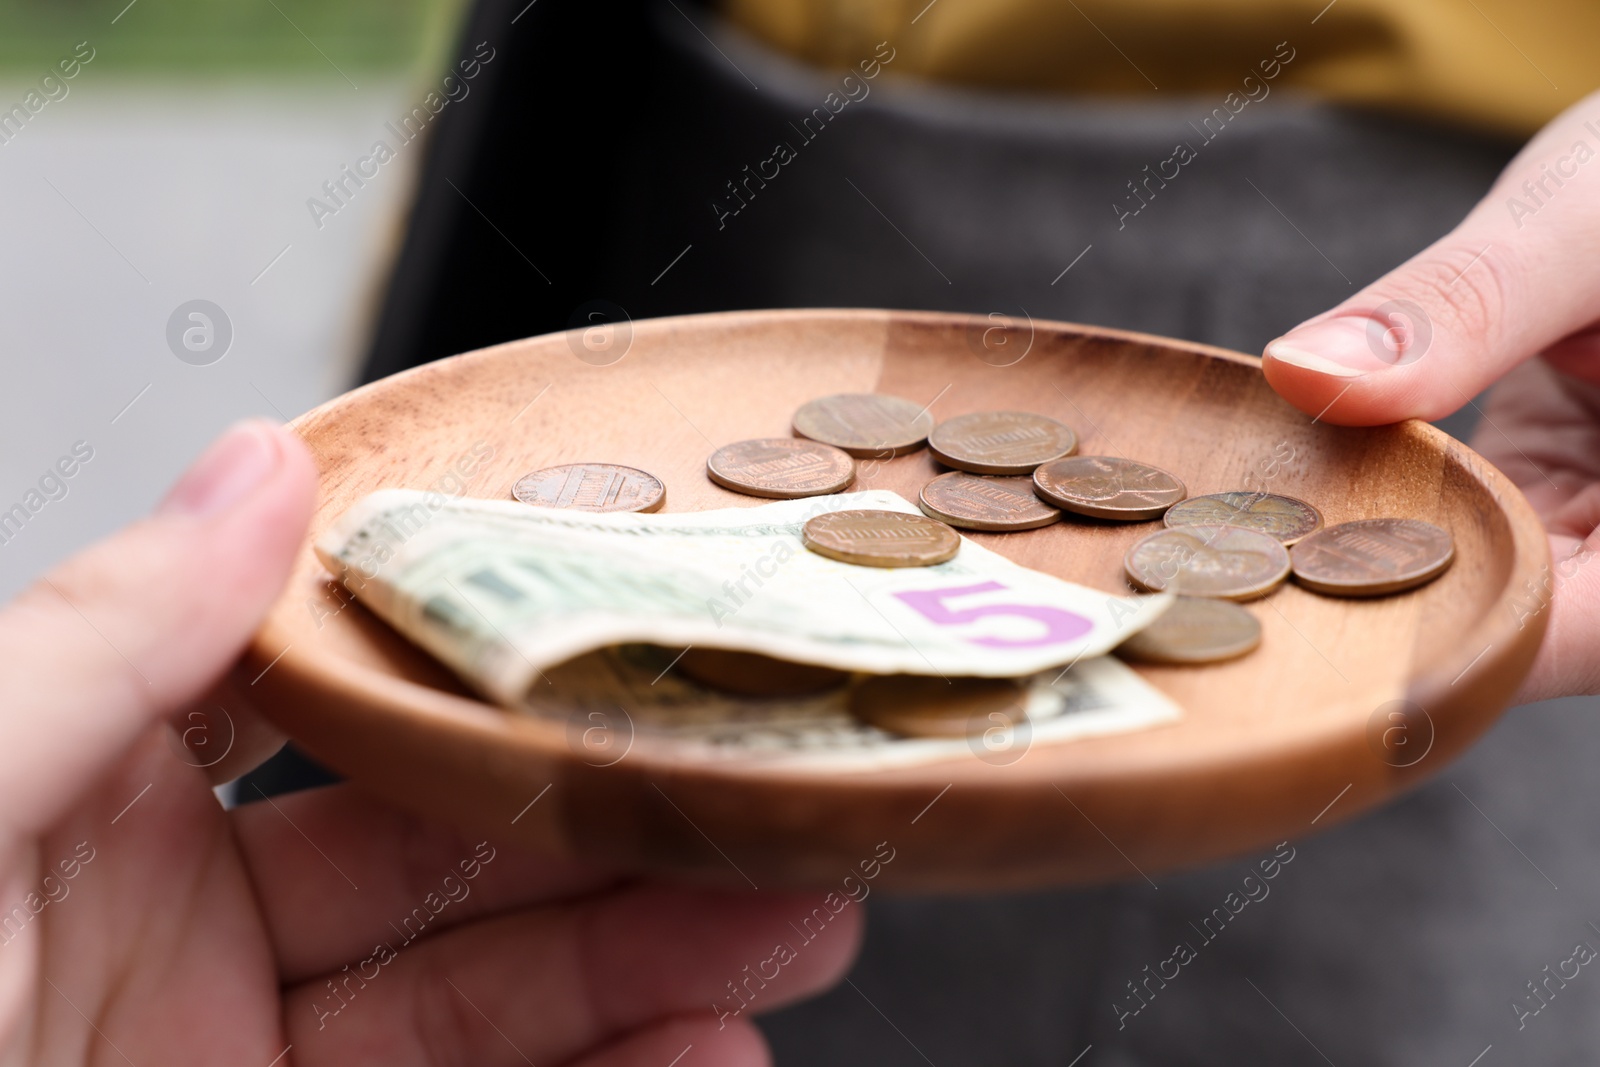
1012 471
783 468
1107 487
881 538
916 705
1195 630
1000 442
994 505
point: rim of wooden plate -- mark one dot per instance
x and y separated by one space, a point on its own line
356 717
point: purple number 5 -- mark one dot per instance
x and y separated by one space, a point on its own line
1059 626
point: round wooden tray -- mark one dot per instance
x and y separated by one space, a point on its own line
1292 738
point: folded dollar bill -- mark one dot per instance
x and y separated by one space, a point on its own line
501 591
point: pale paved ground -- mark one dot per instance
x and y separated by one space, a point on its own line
125 200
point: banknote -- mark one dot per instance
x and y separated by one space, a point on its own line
500 591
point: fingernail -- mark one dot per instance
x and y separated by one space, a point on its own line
231 469
1340 347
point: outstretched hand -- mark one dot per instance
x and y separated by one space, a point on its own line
144 924
1510 298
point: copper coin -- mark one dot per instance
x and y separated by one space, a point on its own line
1195 630
880 538
1221 561
754 675
1372 557
1000 442
1282 517
591 487
1108 487
865 424
919 706
781 467
976 502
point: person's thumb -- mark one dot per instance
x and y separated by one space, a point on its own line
138 625
1516 277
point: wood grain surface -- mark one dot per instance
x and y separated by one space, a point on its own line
1282 742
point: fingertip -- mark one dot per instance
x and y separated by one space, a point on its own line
1336 393
291 492
141 624
846 932
243 459
1285 352
301 465
258 532
299 480
824 931
786 945
1307 387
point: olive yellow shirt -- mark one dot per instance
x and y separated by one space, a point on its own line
1507 65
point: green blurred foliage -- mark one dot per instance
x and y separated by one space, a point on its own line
208 38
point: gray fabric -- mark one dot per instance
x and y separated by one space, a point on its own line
1402 938
978 202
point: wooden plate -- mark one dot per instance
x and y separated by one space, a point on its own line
1295 737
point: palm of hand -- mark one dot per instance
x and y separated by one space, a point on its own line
325 928
1542 428
156 950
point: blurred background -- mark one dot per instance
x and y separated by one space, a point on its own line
175 166
196 226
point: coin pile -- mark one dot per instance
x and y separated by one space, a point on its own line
1017 470
1013 471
